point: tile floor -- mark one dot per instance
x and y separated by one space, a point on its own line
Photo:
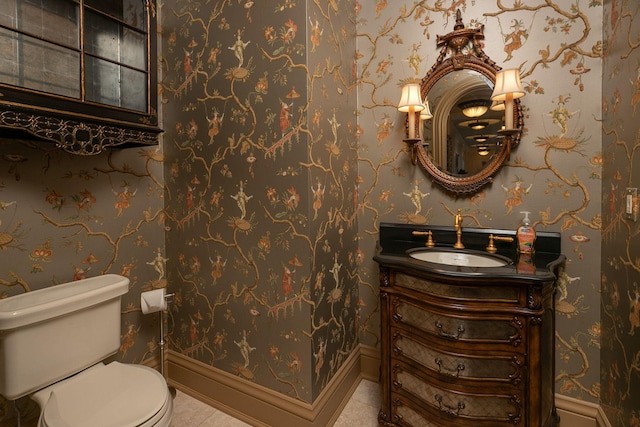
361 410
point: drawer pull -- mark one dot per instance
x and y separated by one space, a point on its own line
449 335
451 410
451 372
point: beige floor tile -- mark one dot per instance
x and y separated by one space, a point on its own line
189 412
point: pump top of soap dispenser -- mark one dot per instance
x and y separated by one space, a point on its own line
526 220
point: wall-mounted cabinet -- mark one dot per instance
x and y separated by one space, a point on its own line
79 73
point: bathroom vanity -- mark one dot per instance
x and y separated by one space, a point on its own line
464 344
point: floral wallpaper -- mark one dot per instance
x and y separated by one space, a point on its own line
620 302
283 152
261 196
64 218
555 172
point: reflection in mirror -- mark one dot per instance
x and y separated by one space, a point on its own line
463 123
464 143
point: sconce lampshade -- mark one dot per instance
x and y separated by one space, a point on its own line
425 114
497 106
507 83
410 100
506 89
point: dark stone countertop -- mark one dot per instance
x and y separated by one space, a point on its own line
396 239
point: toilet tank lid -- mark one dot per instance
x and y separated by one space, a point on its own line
47 303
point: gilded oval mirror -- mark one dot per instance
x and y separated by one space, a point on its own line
464 143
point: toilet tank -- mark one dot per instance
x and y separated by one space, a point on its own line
52 333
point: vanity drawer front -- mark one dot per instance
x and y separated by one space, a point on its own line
431 400
499 368
484 294
500 329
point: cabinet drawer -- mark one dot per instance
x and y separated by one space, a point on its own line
483 294
477 409
500 329
501 368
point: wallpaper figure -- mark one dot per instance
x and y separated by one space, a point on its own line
315 34
318 194
334 127
285 115
287 281
335 270
123 198
415 59
128 339
635 99
238 49
513 40
416 197
245 348
561 114
383 129
158 264
514 194
217 267
319 356
215 123
241 199
634 316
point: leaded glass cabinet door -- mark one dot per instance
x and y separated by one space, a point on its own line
80 73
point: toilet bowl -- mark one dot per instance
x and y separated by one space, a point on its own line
52 345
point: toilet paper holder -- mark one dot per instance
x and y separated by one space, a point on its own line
152 302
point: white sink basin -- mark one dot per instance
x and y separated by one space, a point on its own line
459 258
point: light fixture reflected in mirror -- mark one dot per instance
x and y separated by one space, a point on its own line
478 125
475 108
497 106
425 114
507 88
483 150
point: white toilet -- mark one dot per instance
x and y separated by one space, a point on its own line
52 344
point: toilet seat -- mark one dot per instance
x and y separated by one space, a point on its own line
116 394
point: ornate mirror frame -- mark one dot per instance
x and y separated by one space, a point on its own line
461 50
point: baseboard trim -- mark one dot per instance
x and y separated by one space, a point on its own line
258 405
263 407
579 413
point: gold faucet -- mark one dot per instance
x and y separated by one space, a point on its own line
430 243
457 226
491 247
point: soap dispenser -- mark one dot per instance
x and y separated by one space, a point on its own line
526 235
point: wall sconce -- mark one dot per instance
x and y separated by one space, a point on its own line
411 103
506 89
497 106
425 114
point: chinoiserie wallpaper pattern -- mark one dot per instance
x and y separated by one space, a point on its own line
281 155
259 101
620 276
